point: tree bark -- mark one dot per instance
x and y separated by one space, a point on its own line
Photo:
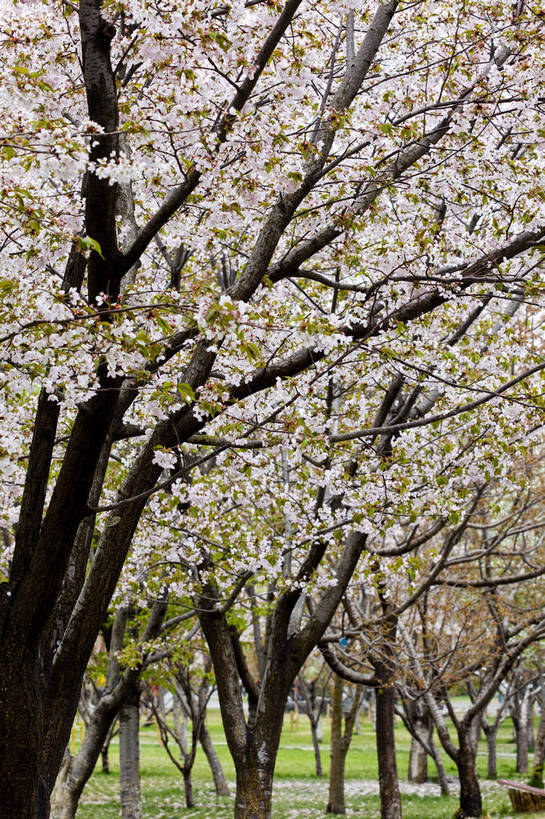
470 793
188 790
254 785
23 791
129 756
422 725
64 799
390 796
335 802
491 736
220 783
539 749
521 738
418 763
314 728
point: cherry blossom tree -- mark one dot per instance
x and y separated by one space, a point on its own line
253 230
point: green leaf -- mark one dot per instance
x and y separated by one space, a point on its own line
186 391
86 243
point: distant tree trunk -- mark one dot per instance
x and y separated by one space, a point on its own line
105 750
491 732
441 774
422 725
539 749
129 756
313 710
519 715
314 728
530 724
220 783
335 802
521 738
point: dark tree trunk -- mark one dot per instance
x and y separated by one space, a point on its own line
129 756
254 786
384 665
105 758
23 792
390 796
188 790
470 793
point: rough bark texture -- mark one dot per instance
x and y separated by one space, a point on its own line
254 787
470 792
390 796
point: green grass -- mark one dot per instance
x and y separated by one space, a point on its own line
297 791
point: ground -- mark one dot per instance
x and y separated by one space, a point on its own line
297 791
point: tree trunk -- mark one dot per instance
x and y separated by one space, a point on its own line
441 775
521 737
188 790
64 798
254 786
314 727
105 758
76 770
23 792
220 783
470 793
129 756
335 802
491 732
539 752
390 797
418 763
530 725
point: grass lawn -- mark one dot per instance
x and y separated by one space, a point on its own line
298 793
